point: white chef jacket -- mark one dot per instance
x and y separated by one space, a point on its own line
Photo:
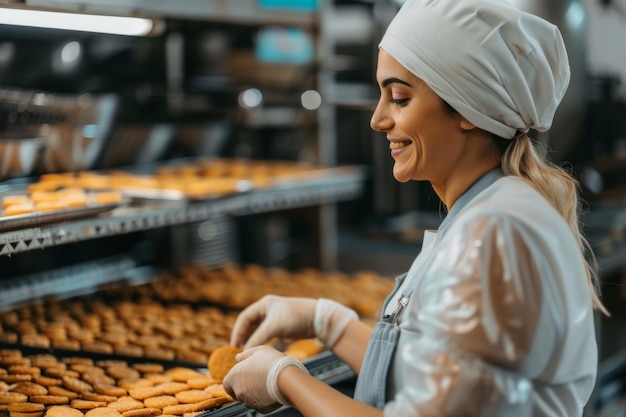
502 308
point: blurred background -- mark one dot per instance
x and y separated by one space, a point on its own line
171 85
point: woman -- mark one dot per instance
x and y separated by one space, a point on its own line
495 316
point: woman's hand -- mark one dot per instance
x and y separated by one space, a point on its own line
253 380
274 316
291 318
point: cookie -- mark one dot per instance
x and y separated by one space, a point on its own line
26 413
143 412
109 390
76 385
145 392
49 399
62 392
172 387
192 396
86 404
202 382
126 404
92 396
148 368
160 401
63 411
25 407
29 388
181 374
103 412
12 397
217 390
222 360
47 381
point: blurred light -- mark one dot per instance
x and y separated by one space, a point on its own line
311 100
7 52
115 25
70 52
575 15
90 131
250 98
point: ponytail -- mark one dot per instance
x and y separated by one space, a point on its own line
529 161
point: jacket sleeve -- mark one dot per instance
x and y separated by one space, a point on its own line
477 312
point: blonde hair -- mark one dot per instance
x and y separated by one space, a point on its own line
525 159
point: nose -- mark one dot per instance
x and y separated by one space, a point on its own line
379 120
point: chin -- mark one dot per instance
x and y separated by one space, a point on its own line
400 177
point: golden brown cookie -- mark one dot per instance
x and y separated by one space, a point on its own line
160 401
25 413
63 411
172 387
12 397
29 388
76 385
23 369
62 392
217 390
47 381
92 396
126 404
110 390
25 407
49 399
103 412
86 404
192 396
181 374
148 368
129 384
145 392
190 408
222 360
143 412
202 382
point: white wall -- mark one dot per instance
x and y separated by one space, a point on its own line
606 39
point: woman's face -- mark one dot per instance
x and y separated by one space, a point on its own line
425 140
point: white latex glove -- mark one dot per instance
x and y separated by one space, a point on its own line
253 380
274 316
291 318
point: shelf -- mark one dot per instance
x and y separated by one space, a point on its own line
245 12
335 184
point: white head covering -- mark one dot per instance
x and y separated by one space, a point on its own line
504 70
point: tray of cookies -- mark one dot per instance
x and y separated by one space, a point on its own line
38 208
37 384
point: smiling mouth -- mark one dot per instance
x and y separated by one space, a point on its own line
398 145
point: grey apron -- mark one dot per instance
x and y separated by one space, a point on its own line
371 385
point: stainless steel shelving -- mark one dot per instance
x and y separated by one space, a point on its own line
339 184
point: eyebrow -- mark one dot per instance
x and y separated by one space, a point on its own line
392 80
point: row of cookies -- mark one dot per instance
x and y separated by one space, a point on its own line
238 286
64 198
116 321
111 322
201 178
31 385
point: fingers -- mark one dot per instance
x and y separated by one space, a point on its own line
247 322
259 336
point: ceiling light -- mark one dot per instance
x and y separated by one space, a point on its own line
115 25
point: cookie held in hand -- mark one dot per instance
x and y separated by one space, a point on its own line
222 360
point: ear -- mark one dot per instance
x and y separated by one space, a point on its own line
466 124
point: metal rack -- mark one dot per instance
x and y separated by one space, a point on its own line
340 184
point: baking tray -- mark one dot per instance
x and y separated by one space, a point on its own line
232 409
325 366
35 219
